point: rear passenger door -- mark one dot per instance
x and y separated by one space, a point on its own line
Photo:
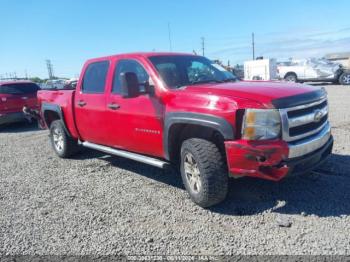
90 100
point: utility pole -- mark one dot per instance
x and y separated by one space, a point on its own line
253 46
49 68
169 34
202 38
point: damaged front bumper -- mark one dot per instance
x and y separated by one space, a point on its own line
273 160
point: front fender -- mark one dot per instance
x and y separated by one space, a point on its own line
215 122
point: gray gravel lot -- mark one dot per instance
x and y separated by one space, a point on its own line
98 204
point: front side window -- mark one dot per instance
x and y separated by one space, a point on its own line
94 80
182 70
131 66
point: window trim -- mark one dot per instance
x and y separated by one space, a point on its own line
115 69
104 89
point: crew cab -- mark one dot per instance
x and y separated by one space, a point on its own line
181 109
14 95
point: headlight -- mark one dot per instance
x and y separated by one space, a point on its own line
261 124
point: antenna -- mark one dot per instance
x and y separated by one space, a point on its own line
169 34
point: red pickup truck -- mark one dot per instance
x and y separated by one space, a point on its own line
181 109
14 95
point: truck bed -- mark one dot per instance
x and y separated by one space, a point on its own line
65 100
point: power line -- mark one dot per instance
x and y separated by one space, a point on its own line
253 46
169 34
203 48
49 68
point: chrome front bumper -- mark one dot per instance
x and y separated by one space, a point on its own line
310 144
303 164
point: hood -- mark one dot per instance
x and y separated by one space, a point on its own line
263 92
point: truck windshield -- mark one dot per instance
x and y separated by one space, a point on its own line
19 89
182 70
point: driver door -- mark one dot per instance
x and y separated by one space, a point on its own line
135 124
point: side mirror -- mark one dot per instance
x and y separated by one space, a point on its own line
149 87
129 85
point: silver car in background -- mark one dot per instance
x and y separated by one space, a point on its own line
314 70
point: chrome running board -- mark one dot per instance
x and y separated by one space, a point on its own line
134 156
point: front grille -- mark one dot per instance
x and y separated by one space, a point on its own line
298 130
305 120
307 110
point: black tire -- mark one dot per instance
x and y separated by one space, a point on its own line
67 146
212 179
344 78
291 77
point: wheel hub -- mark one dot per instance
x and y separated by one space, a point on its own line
58 139
290 79
346 79
192 173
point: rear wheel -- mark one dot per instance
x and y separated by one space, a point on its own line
344 78
64 145
203 172
291 77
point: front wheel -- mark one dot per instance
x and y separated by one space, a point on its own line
64 145
344 78
291 77
203 172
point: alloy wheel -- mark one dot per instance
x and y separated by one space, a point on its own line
346 79
58 141
192 173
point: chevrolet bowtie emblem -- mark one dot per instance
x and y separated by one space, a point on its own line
318 116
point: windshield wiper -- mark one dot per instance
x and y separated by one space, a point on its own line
230 80
205 81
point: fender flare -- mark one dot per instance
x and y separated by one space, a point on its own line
55 108
218 123
290 73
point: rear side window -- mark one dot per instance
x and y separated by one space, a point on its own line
19 89
95 77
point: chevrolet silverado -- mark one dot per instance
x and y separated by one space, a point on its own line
181 109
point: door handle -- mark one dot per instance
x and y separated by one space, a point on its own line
81 103
113 106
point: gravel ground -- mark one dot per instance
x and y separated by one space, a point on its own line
98 204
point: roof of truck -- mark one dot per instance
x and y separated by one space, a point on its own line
138 54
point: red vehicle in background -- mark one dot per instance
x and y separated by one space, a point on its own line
168 108
14 95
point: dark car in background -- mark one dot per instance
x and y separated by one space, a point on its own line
14 95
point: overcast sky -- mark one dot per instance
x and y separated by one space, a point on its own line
69 32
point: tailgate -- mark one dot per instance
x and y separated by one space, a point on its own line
15 103
14 96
